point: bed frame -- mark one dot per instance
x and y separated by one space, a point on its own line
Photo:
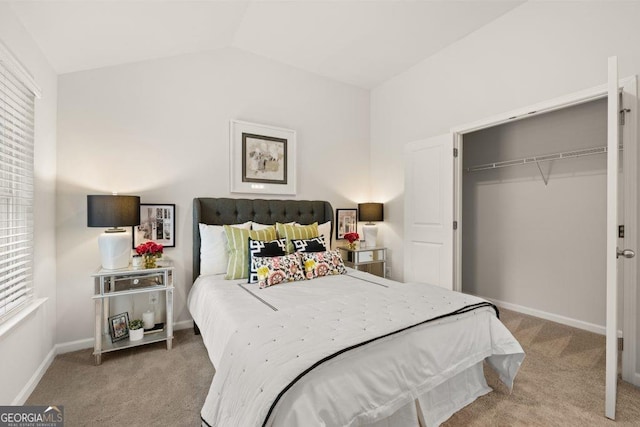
220 211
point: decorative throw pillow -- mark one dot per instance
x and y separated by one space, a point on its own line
296 232
238 246
318 264
275 270
214 257
261 249
317 244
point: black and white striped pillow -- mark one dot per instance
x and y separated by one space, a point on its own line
261 249
315 244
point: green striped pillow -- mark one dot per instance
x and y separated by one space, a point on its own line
238 248
296 232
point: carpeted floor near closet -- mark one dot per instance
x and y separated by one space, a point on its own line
561 383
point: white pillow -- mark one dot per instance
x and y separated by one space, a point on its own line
213 248
258 226
325 231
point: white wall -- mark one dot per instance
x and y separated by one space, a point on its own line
159 129
536 52
24 348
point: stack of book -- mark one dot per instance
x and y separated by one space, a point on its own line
158 327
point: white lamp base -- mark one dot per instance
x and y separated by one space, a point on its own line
370 235
115 250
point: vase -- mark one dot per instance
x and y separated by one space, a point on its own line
352 246
150 261
136 334
136 261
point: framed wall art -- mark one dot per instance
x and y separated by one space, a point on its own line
119 327
346 222
157 224
262 159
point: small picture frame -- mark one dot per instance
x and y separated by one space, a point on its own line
119 327
346 222
157 224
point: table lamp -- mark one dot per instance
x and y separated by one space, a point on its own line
114 211
370 212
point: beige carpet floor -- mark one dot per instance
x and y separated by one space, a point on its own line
561 383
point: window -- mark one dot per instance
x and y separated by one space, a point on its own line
17 104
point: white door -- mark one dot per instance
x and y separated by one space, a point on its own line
614 254
428 211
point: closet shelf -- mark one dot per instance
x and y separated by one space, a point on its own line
537 159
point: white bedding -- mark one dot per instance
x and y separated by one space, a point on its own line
366 385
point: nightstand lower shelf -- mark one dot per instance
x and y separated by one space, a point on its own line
108 346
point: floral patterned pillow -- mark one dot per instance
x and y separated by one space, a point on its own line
262 249
318 264
279 269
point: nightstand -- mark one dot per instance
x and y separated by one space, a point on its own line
371 260
129 282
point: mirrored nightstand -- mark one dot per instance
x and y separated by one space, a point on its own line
128 282
370 260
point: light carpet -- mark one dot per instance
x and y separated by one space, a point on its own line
561 383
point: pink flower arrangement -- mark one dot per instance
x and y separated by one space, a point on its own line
149 248
351 237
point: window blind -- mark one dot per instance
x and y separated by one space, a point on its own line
17 105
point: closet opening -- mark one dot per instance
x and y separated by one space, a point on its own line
534 195
530 206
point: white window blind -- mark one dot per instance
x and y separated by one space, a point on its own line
17 103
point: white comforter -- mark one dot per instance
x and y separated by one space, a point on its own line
262 340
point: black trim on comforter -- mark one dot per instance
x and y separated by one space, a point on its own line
462 310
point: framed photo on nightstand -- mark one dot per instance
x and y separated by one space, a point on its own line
119 327
346 222
157 224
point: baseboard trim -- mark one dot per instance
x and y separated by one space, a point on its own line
575 323
183 324
68 347
26 391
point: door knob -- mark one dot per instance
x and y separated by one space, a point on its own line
627 253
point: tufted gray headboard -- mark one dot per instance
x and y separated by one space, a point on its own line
220 211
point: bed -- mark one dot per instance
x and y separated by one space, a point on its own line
349 349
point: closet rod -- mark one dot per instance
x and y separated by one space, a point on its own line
537 159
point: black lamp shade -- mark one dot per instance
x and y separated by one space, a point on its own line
113 211
370 212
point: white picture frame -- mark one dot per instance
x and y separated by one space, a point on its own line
262 159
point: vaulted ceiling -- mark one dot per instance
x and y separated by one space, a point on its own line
361 42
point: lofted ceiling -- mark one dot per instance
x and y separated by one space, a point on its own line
360 42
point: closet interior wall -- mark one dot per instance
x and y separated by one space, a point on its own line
534 245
